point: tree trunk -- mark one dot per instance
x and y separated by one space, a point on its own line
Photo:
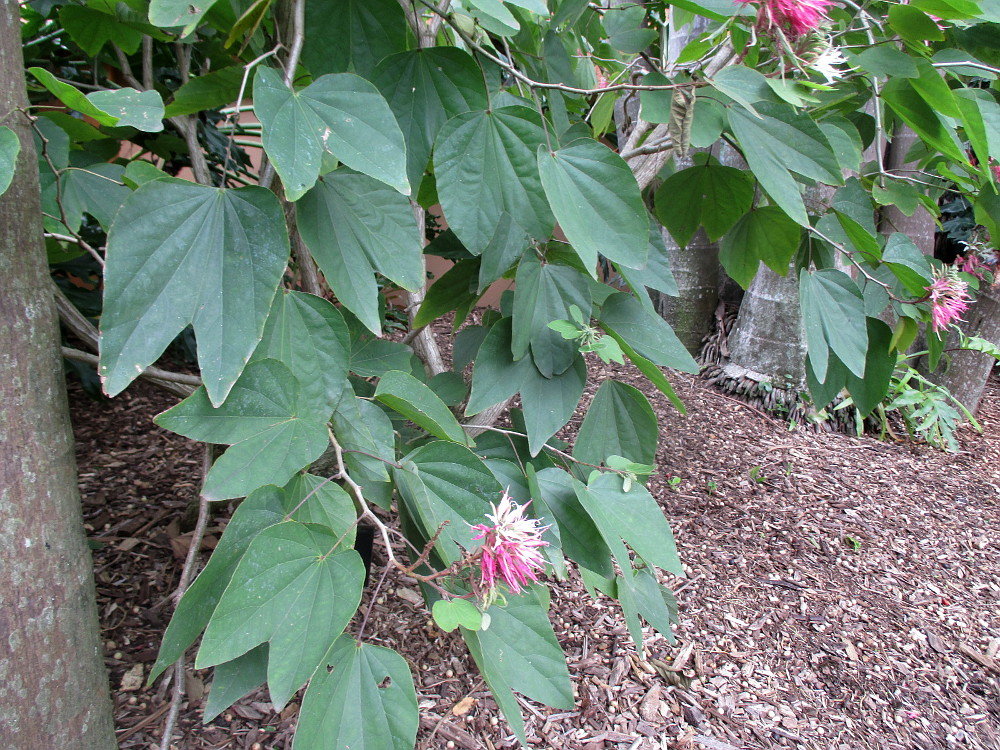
920 226
968 371
53 686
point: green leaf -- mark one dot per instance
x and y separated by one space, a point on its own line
596 200
656 274
372 357
322 501
626 29
915 26
181 253
632 516
504 248
653 373
581 539
656 603
355 35
235 679
424 88
72 97
449 614
845 140
619 422
709 122
364 701
899 193
418 403
248 23
708 195
273 432
456 289
981 122
169 13
519 651
886 61
10 147
497 376
142 110
308 335
834 315
209 91
868 391
824 391
743 85
935 90
445 483
139 172
485 164
654 105
765 234
550 402
93 189
366 435
543 293
780 142
339 113
645 332
910 106
354 226
908 263
494 16
293 591
91 30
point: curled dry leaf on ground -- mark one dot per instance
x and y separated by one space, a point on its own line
841 593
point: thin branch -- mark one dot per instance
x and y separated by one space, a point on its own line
298 40
150 372
147 62
77 241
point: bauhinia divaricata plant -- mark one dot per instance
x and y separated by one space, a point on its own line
262 172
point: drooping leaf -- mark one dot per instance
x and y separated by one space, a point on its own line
708 195
294 590
904 100
550 402
542 294
308 335
142 110
181 253
170 13
372 357
834 315
424 88
405 394
356 35
234 679
354 226
597 202
908 263
765 234
445 486
341 114
72 97
91 29
504 248
485 165
454 290
868 391
645 332
10 147
581 540
497 375
652 372
619 422
743 85
361 698
272 430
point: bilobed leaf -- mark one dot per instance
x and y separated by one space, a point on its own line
645 332
142 110
581 540
357 35
834 315
361 698
273 432
308 334
597 202
619 422
424 88
550 402
354 226
181 253
293 589
405 394
503 250
93 189
72 97
485 165
542 294
169 13
449 614
868 391
497 375
10 147
625 25
234 679
341 114
765 234
445 483
908 263
708 195
92 29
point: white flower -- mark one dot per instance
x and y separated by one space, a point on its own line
826 63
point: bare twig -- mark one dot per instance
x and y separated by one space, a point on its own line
298 40
150 372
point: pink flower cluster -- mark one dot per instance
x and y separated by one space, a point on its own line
511 546
796 16
949 298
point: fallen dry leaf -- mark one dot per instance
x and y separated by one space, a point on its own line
463 706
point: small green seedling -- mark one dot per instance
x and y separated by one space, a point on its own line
591 339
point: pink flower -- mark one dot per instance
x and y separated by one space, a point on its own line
511 546
796 16
949 298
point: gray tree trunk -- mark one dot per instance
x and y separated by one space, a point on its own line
53 686
920 226
967 372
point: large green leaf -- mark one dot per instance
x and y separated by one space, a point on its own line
72 97
764 234
497 375
181 253
833 311
708 195
91 29
445 483
273 432
355 36
485 165
908 263
505 247
581 540
207 91
455 290
550 402
519 652
169 13
656 274
424 88
293 590
646 332
308 334
366 435
341 114
361 698
544 293
619 422
911 107
403 393
142 110
632 516
320 500
880 362
10 147
597 202
779 142
354 226
652 372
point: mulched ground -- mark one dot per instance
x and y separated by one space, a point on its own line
841 594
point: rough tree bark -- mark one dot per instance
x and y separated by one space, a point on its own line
968 371
53 686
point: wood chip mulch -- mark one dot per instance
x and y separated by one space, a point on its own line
841 594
